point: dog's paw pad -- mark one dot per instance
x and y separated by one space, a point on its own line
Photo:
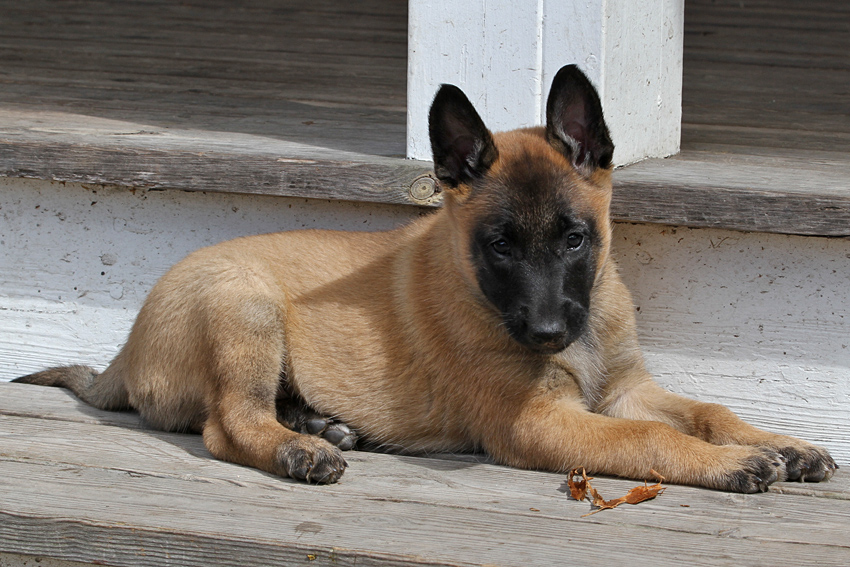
315 426
340 435
334 432
303 419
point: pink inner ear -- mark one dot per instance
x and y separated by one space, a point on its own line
463 146
576 112
574 118
457 160
578 132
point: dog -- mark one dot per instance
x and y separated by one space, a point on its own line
498 323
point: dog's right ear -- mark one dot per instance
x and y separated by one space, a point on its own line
462 146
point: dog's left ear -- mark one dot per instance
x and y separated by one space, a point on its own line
462 146
574 122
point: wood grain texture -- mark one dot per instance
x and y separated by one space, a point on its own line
101 492
18 560
387 181
794 194
766 124
225 96
133 155
728 190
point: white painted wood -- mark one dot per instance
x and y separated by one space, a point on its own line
755 321
77 261
505 54
641 78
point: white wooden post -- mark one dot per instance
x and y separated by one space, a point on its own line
504 54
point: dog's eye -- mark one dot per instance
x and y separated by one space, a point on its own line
502 247
574 240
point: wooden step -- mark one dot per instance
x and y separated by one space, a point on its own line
97 487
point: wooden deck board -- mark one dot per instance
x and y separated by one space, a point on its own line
766 117
92 486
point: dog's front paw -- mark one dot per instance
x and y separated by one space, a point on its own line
755 469
311 459
806 462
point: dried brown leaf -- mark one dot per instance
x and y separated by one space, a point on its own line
638 494
578 489
597 498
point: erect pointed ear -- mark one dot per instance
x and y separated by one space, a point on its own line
463 148
574 122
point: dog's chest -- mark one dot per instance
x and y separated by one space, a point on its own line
577 373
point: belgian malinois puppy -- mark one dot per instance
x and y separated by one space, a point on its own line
498 323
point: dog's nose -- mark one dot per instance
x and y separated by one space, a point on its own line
545 332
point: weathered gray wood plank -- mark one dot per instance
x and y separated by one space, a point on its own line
88 514
133 155
220 96
729 191
89 492
60 405
773 65
33 412
797 195
234 173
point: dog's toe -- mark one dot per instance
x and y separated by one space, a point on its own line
312 460
340 435
754 472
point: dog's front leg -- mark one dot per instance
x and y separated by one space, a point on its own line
643 399
243 428
242 420
559 434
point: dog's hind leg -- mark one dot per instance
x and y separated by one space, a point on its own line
296 415
242 424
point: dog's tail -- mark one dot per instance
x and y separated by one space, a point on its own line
105 391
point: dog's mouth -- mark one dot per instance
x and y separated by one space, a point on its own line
548 348
553 346
549 345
